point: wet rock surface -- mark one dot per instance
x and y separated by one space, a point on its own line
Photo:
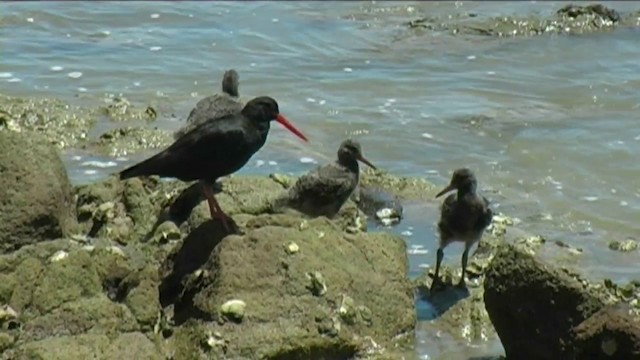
569 19
535 307
36 201
611 333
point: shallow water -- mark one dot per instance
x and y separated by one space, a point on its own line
549 123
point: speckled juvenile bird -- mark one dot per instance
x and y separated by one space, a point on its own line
323 190
463 217
215 106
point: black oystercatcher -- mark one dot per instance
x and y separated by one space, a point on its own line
323 190
215 148
463 217
215 106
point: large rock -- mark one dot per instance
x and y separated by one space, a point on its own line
36 201
309 291
534 307
64 300
611 333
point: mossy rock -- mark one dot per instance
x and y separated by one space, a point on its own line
284 316
36 203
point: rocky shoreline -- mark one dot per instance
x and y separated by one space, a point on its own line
118 268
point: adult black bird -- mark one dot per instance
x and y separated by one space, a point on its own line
215 106
463 217
215 148
323 190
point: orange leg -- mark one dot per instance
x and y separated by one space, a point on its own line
214 207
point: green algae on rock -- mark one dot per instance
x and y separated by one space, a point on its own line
370 269
62 125
36 203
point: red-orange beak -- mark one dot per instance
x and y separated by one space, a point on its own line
361 158
445 190
283 120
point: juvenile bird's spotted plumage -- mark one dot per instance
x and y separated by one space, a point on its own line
463 217
215 106
215 148
323 190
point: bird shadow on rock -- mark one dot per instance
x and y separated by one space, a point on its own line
185 259
444 297
181 208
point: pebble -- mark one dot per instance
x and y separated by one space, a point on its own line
58 255
233 309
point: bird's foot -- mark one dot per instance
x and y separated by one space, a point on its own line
436 285
224 219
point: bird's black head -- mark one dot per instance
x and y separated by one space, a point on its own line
350 151
462 180
230 83
263 109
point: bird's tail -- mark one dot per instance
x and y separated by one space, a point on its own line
146 167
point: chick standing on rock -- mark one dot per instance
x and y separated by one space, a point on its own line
463 217
323 190
215 106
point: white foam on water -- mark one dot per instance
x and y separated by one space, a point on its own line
427 136
417 251
623 203
347 69
391 100
491 72
56 68
30 20
15 79
122 159
74 74
311 100
99 164
76 158
82 89
272 163
90 172
590 198
275 20
406 233
6 74
307 160
259 163
424 266
136 83
471 57
154 16
155 48
322 102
